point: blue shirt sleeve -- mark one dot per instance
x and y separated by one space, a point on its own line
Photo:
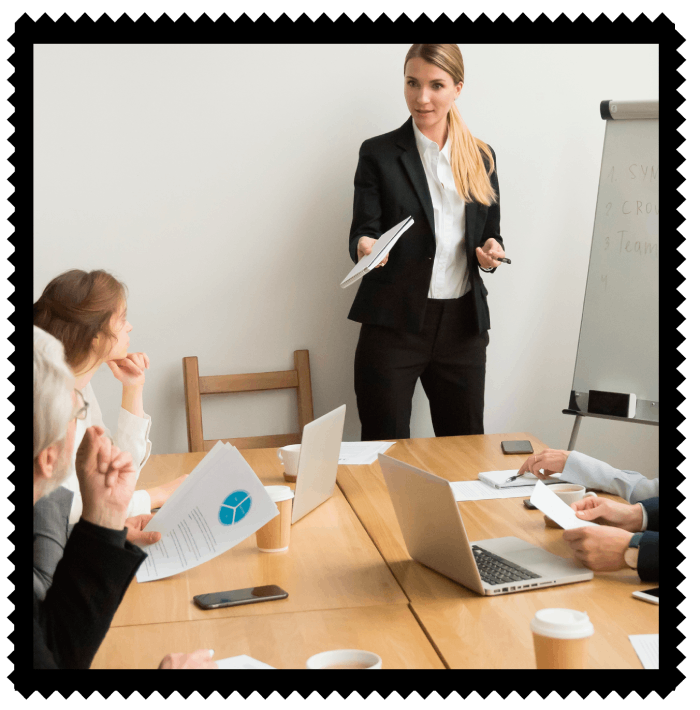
592 473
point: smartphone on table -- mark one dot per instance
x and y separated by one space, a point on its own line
237 597
648 595
516 447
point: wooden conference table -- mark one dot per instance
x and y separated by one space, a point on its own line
352 584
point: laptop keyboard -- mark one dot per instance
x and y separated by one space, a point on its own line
495 570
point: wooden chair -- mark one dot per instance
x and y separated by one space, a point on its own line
196 386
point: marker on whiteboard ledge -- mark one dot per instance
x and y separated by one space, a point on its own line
503 259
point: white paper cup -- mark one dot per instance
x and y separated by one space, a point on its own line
345 659
289 456
275 535
561 638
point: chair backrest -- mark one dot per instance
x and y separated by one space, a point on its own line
196 386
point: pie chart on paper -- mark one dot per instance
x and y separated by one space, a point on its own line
234 508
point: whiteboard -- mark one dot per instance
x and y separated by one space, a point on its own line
618 349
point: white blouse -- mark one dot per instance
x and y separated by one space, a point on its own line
450 278
132 436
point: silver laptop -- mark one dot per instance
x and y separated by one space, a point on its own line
435 536
318 462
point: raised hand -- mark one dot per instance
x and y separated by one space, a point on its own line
107 477
130 370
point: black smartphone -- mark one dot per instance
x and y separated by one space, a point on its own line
516 447
236 597
529 505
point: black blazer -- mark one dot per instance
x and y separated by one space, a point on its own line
89 583
648 560
390 185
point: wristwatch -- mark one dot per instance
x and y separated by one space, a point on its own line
632 552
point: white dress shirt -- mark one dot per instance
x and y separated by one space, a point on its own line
132 436
450 277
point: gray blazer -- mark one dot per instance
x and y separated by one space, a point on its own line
51 531
589 472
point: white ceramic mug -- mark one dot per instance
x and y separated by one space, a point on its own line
344 659
289 456
569 493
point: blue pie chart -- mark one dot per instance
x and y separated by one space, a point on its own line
234 508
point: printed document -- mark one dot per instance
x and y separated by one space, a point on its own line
647 649
556 509
221 503
362 452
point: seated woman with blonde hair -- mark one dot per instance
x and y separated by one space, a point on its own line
86 311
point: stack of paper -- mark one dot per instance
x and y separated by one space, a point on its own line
498 479
362 452
476 490
647 649
221 503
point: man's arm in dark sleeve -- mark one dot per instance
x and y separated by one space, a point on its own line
89 583
648 559
651 505
366 206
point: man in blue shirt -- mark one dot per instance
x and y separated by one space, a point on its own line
628 534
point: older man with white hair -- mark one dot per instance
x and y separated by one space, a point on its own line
98 562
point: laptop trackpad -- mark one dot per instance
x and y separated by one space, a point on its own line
527 555
532 558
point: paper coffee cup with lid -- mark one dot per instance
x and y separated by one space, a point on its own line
275 535
561 638
345 659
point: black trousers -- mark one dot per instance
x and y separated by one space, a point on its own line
449 356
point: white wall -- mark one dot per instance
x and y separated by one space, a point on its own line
216 181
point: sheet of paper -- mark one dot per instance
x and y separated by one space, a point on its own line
240 662
647 648
555 508
498 478
362 452
477 490
224 502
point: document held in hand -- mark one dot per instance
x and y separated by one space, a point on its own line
221 503
379 250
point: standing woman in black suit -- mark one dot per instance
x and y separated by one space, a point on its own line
424 312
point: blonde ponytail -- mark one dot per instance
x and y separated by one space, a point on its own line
472 177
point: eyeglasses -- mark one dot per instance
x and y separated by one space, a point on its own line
81 412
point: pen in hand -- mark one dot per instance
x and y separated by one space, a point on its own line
505 260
